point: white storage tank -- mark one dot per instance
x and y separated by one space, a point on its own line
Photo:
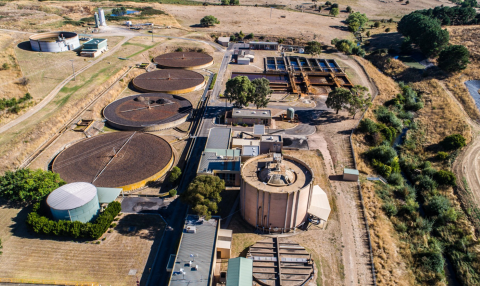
55 42
74 202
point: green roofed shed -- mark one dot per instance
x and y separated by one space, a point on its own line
240 272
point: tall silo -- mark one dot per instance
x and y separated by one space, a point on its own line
74 202
101 15
97 20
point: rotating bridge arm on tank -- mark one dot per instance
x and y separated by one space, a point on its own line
114 156
149 106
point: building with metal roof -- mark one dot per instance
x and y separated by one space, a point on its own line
224 163
350 174
79 201
94 48
239 272
264 45
319 206
196 255
219 138
249 116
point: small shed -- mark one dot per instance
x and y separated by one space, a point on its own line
241 60
224 41
240 272
350 174
224 243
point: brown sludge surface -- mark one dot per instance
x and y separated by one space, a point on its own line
142 157
183 59
168 80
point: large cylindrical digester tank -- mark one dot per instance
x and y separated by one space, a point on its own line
55 42
74 202
275 193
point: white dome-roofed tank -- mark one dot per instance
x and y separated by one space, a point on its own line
55 42
74 202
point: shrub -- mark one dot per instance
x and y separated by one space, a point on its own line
349 9
209 21
383 154
383 169
389 133
426 183
180 49
76 229
388 117
5 66
395 179
453 58
437 205
376 24
401 227
442 156
328 3
445 178
175 174
334 12
334 5
390 209
433 261
367 126
172 192
453 142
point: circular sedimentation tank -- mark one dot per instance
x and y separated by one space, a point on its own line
148 112
184 60
74 202
275 192
126 160
173 81
55 42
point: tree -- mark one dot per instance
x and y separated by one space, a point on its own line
234 2
172 192
209 21
384 154
239 90
249 36
356 20
376 24
368 34
453 58
175 174
453 142
328 3
203 194
334 12
445 178
437 205
338 98
27 186
335 5
241 35
349 9
358 101
313 48
260 96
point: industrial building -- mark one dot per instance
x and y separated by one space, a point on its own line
280 262
276 192
94 48
199 249
126 160
264 46
223 41
173 81
184 60
249 116
243 57
79 201
148 112
55 42
218 159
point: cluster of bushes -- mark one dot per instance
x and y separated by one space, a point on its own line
230 2
119 11
14 105
423 28
44 225
150 11
348 47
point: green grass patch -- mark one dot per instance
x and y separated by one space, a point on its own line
212 84
409 61
141 51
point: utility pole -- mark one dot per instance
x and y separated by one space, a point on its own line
73 69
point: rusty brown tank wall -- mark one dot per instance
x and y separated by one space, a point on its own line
284 211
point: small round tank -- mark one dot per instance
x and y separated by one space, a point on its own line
290 113
74 202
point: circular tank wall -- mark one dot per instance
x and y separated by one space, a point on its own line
184 60
275 194
74 202
173 81
55 42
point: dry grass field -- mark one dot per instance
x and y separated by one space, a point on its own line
374 9
26 255
256 20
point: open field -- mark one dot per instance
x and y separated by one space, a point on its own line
232 20
26 255
374 9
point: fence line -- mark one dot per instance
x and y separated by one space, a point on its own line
47 282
